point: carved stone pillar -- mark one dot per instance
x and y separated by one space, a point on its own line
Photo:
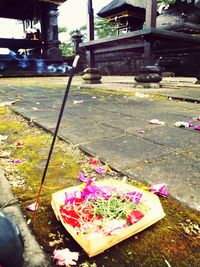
49 26
150 75
77 38
91 75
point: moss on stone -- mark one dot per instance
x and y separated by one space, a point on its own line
165 241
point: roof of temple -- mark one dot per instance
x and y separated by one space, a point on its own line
181 18
117 6
24 9
57 2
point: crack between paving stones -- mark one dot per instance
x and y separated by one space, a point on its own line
100 139
145 162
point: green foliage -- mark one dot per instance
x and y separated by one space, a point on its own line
66 48
166 1
103 28
82 30
62 29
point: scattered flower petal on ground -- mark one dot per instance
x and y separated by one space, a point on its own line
182 124
197 128
81 177
33 206
157 122
190 123
3 137
160 190
16 161
65 257
103 169
93 161
78 101
19 144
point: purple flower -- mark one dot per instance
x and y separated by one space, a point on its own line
16 160
197 127
190 123
135 197
93 191
70 197
81 177
160 190
101 170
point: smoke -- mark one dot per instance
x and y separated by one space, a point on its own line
23 61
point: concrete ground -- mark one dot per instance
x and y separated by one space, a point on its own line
111 121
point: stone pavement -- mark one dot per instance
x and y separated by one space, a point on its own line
111 121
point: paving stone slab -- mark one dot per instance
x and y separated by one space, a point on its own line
87 133
194 152
67 121
180 173
35 114
127 150
172 137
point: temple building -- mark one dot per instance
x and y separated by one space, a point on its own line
39 18
173 39
128 15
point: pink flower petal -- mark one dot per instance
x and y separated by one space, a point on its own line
33 206
65 257
135 197
81 177
197 127
134 216
160 190
93 161
190 123
103 169
157 122
16 161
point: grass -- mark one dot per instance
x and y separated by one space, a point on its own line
166 243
